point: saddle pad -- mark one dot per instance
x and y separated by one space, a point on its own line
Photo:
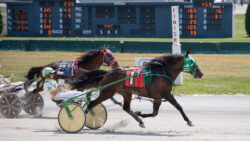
137 79
64 68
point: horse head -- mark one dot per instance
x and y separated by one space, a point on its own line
191 66
109 58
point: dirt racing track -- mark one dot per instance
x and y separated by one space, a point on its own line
215 118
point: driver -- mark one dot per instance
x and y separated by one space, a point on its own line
54 90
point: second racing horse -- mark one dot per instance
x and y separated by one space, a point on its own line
66 70
157 76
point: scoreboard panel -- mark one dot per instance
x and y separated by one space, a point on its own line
59 18
20 20
188 21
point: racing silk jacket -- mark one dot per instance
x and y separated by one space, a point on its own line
49 86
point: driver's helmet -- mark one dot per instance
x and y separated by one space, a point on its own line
47 70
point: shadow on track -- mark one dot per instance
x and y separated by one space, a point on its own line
118 133
35 117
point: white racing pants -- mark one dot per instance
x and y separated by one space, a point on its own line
70 94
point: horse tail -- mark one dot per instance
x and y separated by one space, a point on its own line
90 79
34 72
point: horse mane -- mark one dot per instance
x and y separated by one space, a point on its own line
88 57
166 59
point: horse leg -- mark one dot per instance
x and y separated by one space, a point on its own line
173 101
27 96
27 83
156 106
38 89
104 95
126 107
109 93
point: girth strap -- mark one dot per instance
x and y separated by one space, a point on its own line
148 75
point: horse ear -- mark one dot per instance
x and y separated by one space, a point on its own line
103 49
188 52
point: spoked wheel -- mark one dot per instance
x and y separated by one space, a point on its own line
10 105
96 117
76 122
33 104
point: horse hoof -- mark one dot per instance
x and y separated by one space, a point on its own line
137 113
189 123
142 125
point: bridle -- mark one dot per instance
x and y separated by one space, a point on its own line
190 64
108 57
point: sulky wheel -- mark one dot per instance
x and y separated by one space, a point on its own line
96 117
10 105
33 104
76 122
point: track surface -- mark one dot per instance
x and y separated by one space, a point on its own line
215 118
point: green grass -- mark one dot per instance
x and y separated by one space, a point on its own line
240 36
240 31
215 85
223 74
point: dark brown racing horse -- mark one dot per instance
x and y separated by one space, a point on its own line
88 61
166 69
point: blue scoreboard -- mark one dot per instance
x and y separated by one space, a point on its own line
58 18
